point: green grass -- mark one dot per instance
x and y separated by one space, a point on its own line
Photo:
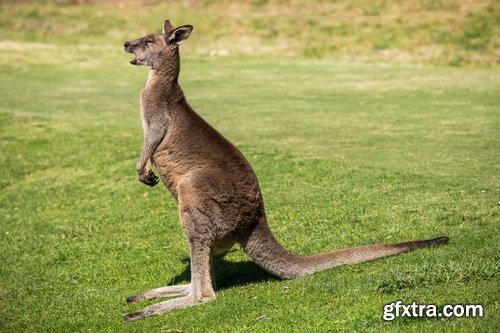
442 32
347 153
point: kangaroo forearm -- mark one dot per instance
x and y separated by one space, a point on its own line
144 159
153 138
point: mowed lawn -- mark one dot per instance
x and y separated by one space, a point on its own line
346 154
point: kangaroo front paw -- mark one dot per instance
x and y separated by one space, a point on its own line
149 179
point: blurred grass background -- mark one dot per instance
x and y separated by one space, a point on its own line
441 32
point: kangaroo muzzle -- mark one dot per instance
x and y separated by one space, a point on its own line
129 47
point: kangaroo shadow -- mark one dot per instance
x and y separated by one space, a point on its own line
229 274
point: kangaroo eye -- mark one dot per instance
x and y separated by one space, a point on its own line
148 41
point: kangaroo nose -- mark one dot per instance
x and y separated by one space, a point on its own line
126 44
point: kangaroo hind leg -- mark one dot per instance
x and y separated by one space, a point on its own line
199 290
168 291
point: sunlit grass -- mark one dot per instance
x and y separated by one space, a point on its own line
445 32
346 154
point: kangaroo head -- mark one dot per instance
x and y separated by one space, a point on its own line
160 49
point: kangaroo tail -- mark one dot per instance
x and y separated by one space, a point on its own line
266 252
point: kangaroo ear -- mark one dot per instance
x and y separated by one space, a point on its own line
167 27
180 34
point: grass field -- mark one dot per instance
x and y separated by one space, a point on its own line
442 32
347 153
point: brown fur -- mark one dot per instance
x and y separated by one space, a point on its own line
218 194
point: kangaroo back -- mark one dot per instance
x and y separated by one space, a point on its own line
268 253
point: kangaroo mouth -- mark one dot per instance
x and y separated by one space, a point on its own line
137 61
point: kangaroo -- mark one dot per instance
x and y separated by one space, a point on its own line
218 195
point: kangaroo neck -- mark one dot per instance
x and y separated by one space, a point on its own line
166 66
158 78
163 83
